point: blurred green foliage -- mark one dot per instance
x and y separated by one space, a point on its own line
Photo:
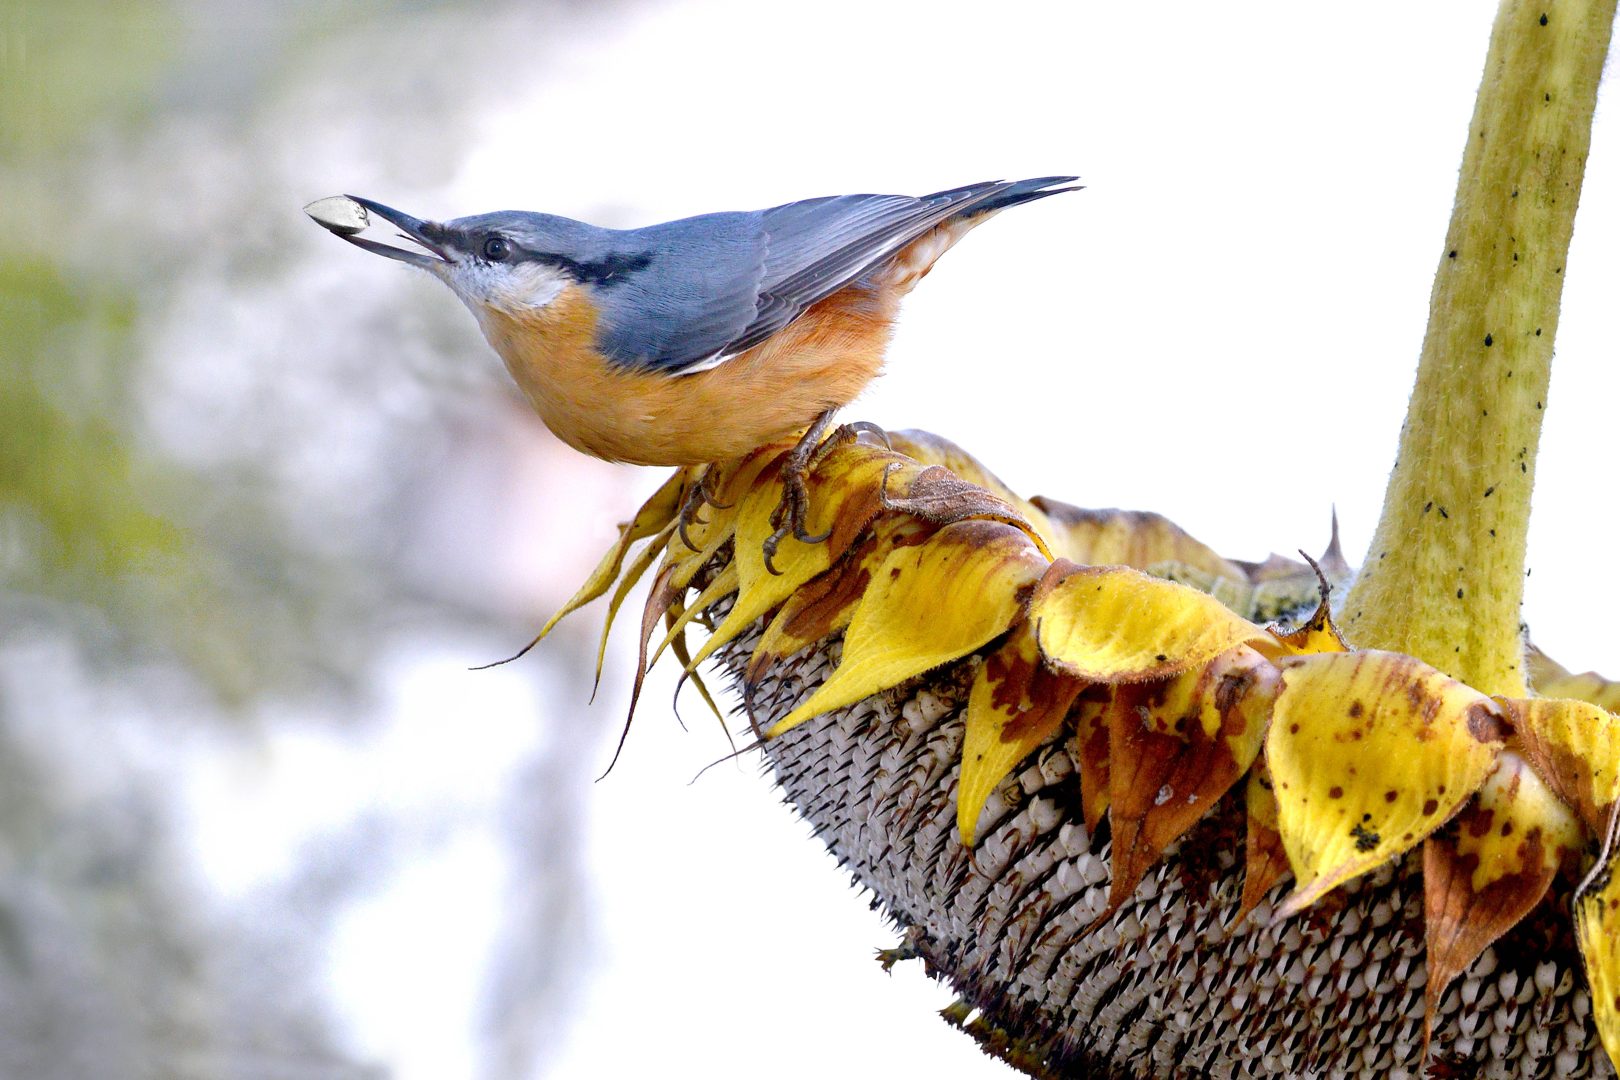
102 532
67 494
66 476
70 66
196 535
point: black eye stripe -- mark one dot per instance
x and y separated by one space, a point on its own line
605 272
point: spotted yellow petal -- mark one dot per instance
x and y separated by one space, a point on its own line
1575 747
1016 704
1490 867
1597 928
927 606
1113 624
1370 752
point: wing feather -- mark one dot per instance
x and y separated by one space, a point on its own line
729 281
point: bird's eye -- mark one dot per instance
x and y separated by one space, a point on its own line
496 249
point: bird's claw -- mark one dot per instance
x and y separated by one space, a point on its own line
857 427
790 517
843 435
691 506
707 488
769 551
701 494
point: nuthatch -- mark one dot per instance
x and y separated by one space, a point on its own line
697 340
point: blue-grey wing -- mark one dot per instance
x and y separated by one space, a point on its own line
698 291
819 246
729 281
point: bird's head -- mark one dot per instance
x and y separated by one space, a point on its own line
511 263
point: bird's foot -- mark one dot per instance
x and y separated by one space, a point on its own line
698 495
709 488
792 515
843 436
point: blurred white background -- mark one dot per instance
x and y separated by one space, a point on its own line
259 820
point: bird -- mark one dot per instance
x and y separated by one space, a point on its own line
695 341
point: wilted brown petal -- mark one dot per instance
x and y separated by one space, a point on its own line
1485 871
1265 858
1174 749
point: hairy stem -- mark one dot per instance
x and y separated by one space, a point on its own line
1444 577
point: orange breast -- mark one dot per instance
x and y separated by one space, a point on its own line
820 361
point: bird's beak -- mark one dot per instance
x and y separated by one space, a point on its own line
346 216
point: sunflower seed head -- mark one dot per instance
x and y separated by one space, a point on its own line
1058 985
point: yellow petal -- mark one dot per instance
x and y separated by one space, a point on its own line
919 486
823 606
1129 538
928 605
628 581
1174 749
940 496
718 524
1488 869
1266 591
1318 634
1114 624
849 486
1597 928
1015 705
1550 679
855 485
721 585
678 649
1258 601
1370 752
1575 747
758 590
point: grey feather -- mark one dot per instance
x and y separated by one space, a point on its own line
698 294
700 290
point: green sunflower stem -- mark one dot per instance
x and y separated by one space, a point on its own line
1444 577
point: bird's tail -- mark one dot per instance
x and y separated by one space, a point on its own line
973 206
1001 196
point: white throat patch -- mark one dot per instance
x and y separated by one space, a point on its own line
512 288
